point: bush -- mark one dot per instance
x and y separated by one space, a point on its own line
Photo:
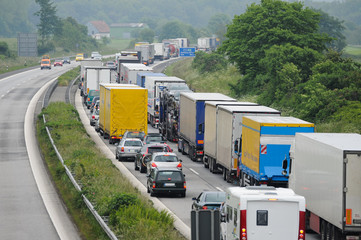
209 62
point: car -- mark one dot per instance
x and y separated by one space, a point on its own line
58 62
171 181
111 65
95 107
45 63
209 200
163 160
96 125
154 137
79 57
66 60
134 134
147 150
94 117
94 101
93 54
91 95
96 56
128 148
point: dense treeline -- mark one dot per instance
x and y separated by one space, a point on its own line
284 60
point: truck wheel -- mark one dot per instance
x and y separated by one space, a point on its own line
224 172
241 179
136 168
323 230
110 140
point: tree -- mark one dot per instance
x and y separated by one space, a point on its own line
218 25
146 35
334 28
50 23
273 22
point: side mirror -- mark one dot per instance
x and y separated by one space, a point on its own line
180 160
148 175
116 144
284 164
236 146
184 175
194 199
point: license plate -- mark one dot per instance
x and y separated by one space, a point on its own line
169 184
131 150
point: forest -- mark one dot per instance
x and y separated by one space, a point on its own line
18 16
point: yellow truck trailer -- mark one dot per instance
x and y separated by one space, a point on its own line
123 107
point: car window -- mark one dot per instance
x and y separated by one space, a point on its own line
133 143
154 139
94 93
155 149
215 197
169 175
135 134
165 158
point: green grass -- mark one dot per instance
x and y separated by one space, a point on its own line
132 215
353 50
115 46
67 77
12 43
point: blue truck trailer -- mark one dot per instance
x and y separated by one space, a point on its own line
266 143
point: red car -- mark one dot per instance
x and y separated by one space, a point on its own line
58 62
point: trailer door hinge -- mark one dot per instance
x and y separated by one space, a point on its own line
345 189
345 160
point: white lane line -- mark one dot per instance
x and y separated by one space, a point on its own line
194 171
17 74
220 189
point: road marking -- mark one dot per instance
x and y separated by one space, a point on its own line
220 189
194 171
2 79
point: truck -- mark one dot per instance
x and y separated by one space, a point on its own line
263 212
266 142
122 108
207 43
169 108
159 51
146 53
93 77
83 64
129 72
226 143
119 59
155 85
142 75
325 169
191 122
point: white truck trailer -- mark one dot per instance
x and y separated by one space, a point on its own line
259 212
87 63
147 52
159 51
129 71
210 124
192 120
94 76
229 134
156 84
326 170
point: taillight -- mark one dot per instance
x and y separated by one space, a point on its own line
200 152
204 207
153 184
179 165
93 117
157 120
154 165
88 99
302 226
122 149
243 233
184 185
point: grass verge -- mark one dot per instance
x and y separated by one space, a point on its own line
67 77
131 215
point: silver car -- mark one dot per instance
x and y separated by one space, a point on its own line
164 160
128 148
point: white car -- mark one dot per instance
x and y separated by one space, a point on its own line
128 148
163 160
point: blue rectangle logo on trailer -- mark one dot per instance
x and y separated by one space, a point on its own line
187 52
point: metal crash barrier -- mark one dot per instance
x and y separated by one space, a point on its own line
205 224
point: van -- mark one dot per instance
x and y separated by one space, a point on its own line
263 212
45 63
79 57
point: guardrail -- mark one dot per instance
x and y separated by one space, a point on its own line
90 206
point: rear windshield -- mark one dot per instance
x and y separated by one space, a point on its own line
46 62
154 139
165 158
169 176
94 93
135 134
216 197
133 143
156 149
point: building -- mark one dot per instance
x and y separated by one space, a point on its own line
98 29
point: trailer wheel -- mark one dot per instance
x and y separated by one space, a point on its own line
224 172
323 229
241 179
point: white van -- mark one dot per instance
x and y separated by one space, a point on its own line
261 212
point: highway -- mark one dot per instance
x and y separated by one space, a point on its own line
30 219
24 207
